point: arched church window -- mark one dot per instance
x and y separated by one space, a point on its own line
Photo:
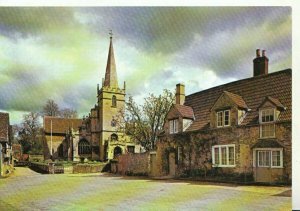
114 101
84 147
117 151
114 137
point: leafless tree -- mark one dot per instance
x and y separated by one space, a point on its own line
144 122
51 108
68 113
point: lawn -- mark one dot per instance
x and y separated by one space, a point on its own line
27 190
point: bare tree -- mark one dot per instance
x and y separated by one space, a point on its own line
51 108
30 133
144 122
68 113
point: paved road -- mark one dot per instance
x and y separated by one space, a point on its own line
27 190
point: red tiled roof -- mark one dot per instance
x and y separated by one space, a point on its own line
4 126
238 100
276 102
251 90
185 111
60 125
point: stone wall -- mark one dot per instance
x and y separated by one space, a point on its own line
197 146
133 164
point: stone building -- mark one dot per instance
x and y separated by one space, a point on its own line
100 127
6 161
62 137
237 130
96 136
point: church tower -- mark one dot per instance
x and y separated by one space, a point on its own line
111 100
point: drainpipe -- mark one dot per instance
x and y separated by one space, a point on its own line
51 141
0 159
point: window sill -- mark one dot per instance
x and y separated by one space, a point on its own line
267 137
271 167
223 166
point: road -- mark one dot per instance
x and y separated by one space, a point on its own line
28 190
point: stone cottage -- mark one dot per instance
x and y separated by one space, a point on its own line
239 130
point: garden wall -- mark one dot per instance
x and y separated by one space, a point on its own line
131 164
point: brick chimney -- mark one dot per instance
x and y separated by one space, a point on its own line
260 63
180 94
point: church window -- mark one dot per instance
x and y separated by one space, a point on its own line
114 101
114 137
84 147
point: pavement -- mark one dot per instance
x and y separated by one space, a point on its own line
28 190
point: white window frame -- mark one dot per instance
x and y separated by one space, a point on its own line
173 126
271 150
223 118
266 123
220 155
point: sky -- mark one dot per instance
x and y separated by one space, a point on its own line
60 53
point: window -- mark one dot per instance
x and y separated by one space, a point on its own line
223 155
267 127
223 118
173 126
270 158
114 101
114 137
130 149
267 115
84 147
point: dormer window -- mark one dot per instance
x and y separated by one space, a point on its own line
173 126
267 119
223 118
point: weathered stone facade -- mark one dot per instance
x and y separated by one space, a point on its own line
96 136
240 130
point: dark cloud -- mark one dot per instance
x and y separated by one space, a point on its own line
24 21
170 29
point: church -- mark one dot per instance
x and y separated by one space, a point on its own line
97 136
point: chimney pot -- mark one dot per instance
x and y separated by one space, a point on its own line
180 94
260 64
257 53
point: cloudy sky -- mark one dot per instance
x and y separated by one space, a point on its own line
60 53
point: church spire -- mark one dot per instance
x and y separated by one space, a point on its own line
111 79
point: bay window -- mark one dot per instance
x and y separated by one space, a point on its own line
270 158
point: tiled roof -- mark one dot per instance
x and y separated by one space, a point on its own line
276 102
252 90
238 100
4 126
272 143
60 125
185 111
